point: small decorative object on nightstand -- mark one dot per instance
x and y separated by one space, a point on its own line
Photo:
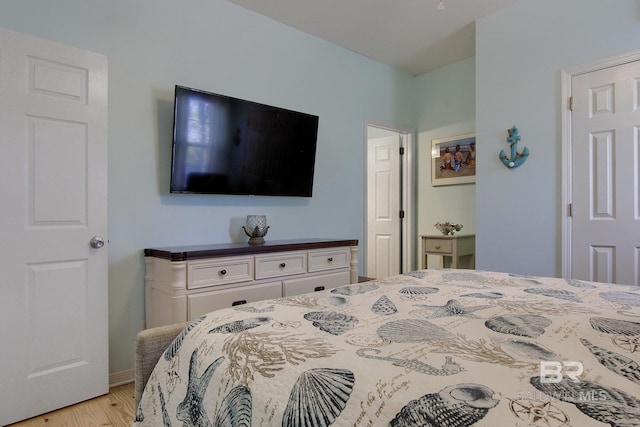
256 229
447 227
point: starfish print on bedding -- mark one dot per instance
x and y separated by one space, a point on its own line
453 308
631 344
539 413
190 411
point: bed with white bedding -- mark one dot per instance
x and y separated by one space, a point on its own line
428 348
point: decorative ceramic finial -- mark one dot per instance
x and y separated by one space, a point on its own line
256 229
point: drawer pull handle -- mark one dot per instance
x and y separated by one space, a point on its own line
330 259
283 265
318 289
223 272
242 301
438 247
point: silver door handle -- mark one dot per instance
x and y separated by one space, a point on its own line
96 242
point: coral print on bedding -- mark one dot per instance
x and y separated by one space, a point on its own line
428 348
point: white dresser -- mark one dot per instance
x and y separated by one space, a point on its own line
183 283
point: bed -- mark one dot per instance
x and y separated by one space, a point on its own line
428 348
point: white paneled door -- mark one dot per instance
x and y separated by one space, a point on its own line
53 195
606 175
384 191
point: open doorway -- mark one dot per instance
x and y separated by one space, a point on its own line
389 205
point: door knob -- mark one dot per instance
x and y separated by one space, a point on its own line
96 242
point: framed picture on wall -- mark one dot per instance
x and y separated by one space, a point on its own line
453 160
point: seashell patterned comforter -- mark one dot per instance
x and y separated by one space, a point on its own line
429 348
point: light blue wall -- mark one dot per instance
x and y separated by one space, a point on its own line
213 45
520 53
445 106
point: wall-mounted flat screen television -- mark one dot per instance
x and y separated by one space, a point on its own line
225 145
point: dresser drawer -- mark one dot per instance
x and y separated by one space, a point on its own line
439 246
329 259
203 303
220 271
315 284
282 264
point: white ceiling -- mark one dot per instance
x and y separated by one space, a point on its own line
411 35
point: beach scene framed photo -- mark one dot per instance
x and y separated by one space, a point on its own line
453 160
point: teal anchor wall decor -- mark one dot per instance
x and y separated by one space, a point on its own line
516 158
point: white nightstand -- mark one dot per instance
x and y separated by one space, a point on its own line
456 247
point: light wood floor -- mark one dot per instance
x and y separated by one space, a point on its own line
115 409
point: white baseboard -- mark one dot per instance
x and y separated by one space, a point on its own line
122 377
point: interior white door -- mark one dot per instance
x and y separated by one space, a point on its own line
606 176
383 207
53 187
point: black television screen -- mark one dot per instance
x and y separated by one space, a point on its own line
225 145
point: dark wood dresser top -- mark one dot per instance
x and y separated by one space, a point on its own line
185 253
